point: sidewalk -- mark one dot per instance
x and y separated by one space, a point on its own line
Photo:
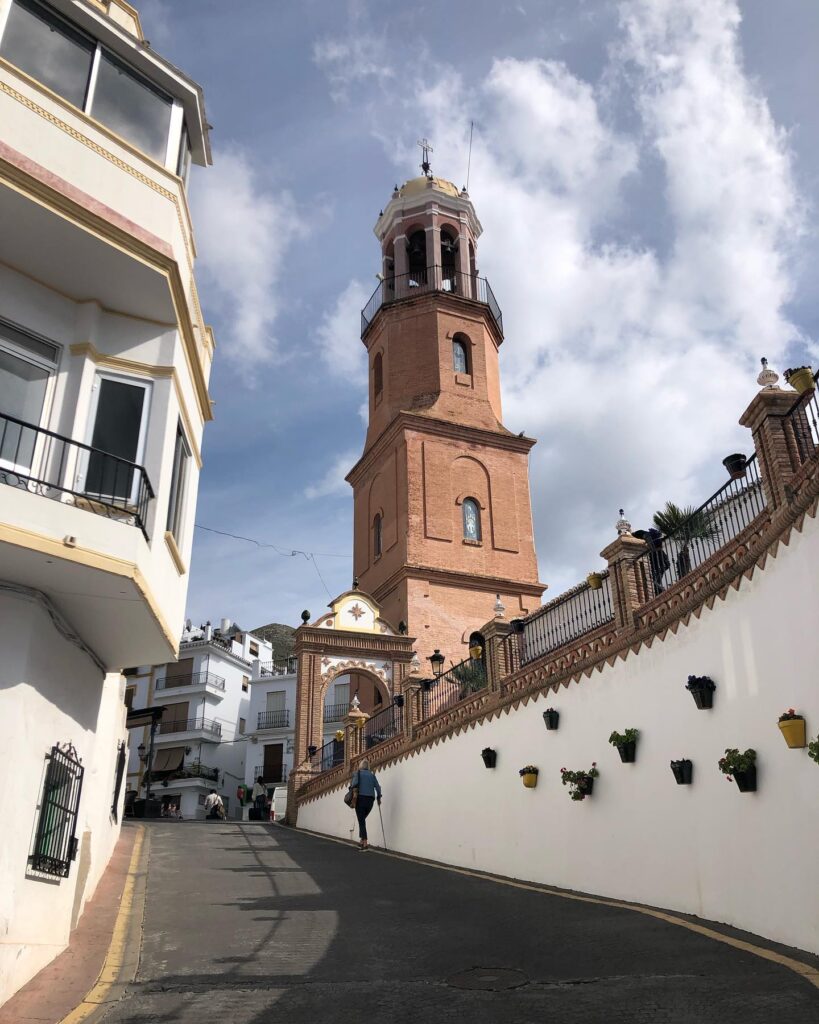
64 983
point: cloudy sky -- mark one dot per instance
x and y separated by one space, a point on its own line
646 172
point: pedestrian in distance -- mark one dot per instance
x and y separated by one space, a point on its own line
214 807
259 795
367 789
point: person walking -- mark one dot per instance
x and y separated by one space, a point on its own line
368 787
214 807
259 795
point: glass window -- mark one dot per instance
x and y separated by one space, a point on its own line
118 428
133 107
378 374
459 362
377 536
179 476
472 520
26 365
48 49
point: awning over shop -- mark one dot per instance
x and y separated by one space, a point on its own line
144 716
169 760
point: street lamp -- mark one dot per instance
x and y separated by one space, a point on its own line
437 660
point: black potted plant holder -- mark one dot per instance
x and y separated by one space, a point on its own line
701 689
489 757
551 718
682 771
736 465
586 785
627 751
745 780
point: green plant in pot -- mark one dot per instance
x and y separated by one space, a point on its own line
740 768
580 783
626 743
683 525
800 378
792 727
595 580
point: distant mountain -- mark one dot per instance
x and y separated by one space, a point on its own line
280 636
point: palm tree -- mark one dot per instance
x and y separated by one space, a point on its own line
684 525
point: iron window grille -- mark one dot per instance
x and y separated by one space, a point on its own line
55 844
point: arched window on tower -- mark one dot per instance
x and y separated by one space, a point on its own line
417 258
472 520
460 359
449 249
377 535
378 375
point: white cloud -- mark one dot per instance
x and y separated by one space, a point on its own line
338 335
630 362
243 230
333 482
354 59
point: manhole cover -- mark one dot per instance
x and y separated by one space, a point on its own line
489 979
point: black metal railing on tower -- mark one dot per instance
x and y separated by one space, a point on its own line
457 683
710 527
384 724
804 422
44 463
431 279
578 611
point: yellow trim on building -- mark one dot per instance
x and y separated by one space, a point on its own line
131 246
176 555
22 538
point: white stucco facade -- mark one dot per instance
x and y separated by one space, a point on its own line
104 367
746 859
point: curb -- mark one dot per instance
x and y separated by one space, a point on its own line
122 959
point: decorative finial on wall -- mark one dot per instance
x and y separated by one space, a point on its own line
355 582
305 616
623 526
767 378
500 607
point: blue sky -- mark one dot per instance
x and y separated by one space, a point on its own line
646 172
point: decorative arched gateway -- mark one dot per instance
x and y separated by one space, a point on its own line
351 640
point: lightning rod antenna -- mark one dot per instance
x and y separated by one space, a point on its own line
469 160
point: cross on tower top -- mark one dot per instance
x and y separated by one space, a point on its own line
426 149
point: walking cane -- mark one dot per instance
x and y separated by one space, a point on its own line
384 838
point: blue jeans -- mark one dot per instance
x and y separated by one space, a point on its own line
363 806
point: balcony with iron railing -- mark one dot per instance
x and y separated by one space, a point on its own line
279 667
206 727
270 775
192 681
432 279
44 463
336 712
273 719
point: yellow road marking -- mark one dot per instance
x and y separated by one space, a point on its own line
806 971
115 957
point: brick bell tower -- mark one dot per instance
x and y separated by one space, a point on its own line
442 512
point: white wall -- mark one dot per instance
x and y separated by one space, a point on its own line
748 860
50 691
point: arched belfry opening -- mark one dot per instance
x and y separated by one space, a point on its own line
417 257
449 254
349 651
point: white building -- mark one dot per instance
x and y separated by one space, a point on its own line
201 740
271 720
104 367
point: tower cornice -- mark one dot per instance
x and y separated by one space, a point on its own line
454 578
437 428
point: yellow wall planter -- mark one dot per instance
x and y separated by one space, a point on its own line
530 779
793 729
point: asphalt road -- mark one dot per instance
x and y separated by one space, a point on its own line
249 924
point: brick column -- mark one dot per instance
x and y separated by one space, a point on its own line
411 690
626 595
775 439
